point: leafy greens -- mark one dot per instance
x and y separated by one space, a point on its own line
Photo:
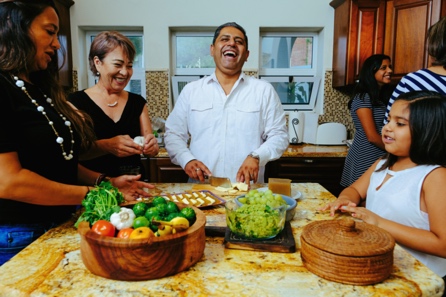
100 203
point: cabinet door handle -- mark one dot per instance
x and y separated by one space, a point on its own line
308 161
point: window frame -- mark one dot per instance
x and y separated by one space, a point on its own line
139 73
199 32
290 71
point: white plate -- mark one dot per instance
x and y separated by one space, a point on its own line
295 194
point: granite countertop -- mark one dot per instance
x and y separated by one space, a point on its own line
299 150
52 266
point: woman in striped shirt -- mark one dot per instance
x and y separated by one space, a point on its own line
367 108
432 78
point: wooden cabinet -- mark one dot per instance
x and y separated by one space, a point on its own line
326 171
65 55
397 28
358 33
405 39
162 170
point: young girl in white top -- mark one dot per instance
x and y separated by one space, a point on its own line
405 191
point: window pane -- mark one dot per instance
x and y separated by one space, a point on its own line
193 52
287 52
138 42
297 93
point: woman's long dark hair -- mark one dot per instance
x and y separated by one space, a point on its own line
367 83
427 123
17 52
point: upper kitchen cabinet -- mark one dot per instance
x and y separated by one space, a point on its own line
359 27
406 31
65 73
397 28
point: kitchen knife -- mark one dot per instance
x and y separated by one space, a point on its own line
220 182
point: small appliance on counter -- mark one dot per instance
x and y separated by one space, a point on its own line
323 134
296 122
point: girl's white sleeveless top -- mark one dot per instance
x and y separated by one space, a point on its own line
398 200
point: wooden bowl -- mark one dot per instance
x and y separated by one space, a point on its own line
142 259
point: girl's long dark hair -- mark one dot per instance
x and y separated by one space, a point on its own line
427 123
367 83
17 52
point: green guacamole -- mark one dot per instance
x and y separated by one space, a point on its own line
256 221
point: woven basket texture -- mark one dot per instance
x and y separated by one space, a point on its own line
347 251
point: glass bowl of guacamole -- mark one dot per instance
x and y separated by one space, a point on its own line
255 221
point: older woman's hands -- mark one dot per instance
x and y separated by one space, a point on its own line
150 146
131 187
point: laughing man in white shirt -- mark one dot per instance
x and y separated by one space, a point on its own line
236 123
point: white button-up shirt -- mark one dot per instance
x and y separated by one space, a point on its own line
224 129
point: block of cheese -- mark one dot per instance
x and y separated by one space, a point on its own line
280 186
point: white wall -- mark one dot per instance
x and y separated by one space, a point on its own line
155 17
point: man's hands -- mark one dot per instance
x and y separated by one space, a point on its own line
249 171
197 170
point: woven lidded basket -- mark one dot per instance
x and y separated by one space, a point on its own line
347 251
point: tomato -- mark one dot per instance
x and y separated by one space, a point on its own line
125 233
103 227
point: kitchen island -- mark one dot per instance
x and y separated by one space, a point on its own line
52 266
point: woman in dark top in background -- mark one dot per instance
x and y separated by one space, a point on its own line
367 108
41 135
119 116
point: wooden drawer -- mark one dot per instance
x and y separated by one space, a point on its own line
162 170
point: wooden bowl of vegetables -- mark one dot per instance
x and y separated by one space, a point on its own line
133 259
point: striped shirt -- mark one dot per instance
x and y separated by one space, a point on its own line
422 79
362 153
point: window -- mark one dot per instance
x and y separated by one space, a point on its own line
289 62
191 58
191 53
295 92
137 83
288 54
178 83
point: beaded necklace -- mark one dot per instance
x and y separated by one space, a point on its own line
21 84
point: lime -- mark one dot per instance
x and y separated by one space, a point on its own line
173 215
189 214
162 209
141 222
140 209
158 200
151 212
172 207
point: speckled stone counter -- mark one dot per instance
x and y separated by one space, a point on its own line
301 150
52 266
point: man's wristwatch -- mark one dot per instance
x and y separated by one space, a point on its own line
254 155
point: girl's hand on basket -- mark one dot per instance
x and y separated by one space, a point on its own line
338 204
363 214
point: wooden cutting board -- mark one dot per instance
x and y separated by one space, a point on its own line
283 243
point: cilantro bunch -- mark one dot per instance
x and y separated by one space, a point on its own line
100 203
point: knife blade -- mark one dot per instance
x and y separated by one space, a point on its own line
220 181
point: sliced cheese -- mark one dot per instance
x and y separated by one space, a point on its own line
222 189
240 186
211 200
